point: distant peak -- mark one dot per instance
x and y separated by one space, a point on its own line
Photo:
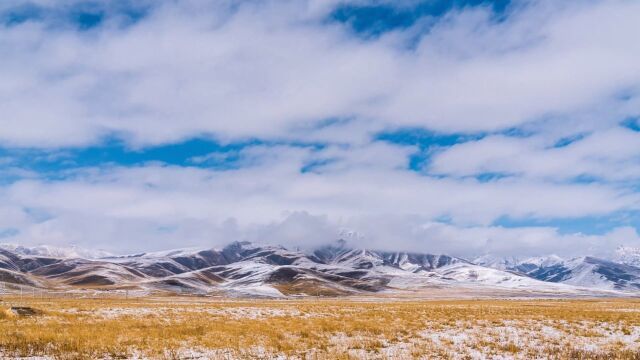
627 255
627 249
56 251
346 234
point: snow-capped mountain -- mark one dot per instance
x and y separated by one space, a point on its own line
497 262
55 251
586 271
627 255
245 269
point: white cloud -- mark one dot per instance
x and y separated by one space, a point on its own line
277 70
415 234
307 231
172 204
610 155
267 68
275 184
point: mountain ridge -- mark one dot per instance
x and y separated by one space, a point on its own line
587 271
336 269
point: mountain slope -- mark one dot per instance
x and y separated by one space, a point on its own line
55 251
584 271
627 255
245 269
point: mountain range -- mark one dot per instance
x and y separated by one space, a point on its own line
587 271
246 269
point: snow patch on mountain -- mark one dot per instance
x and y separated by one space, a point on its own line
627 255
55 251
586 271
248 269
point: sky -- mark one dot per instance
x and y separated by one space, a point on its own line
460 127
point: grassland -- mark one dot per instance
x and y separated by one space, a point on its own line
200 328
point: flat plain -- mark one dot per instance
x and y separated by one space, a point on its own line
351 328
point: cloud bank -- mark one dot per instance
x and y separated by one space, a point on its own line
317 122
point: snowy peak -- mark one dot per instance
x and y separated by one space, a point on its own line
587 271
329 253
627 255
340 253
496 262
543 261
54 251
415 262
247 269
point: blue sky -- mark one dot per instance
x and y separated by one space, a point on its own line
465 127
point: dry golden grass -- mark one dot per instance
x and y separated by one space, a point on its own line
181 327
